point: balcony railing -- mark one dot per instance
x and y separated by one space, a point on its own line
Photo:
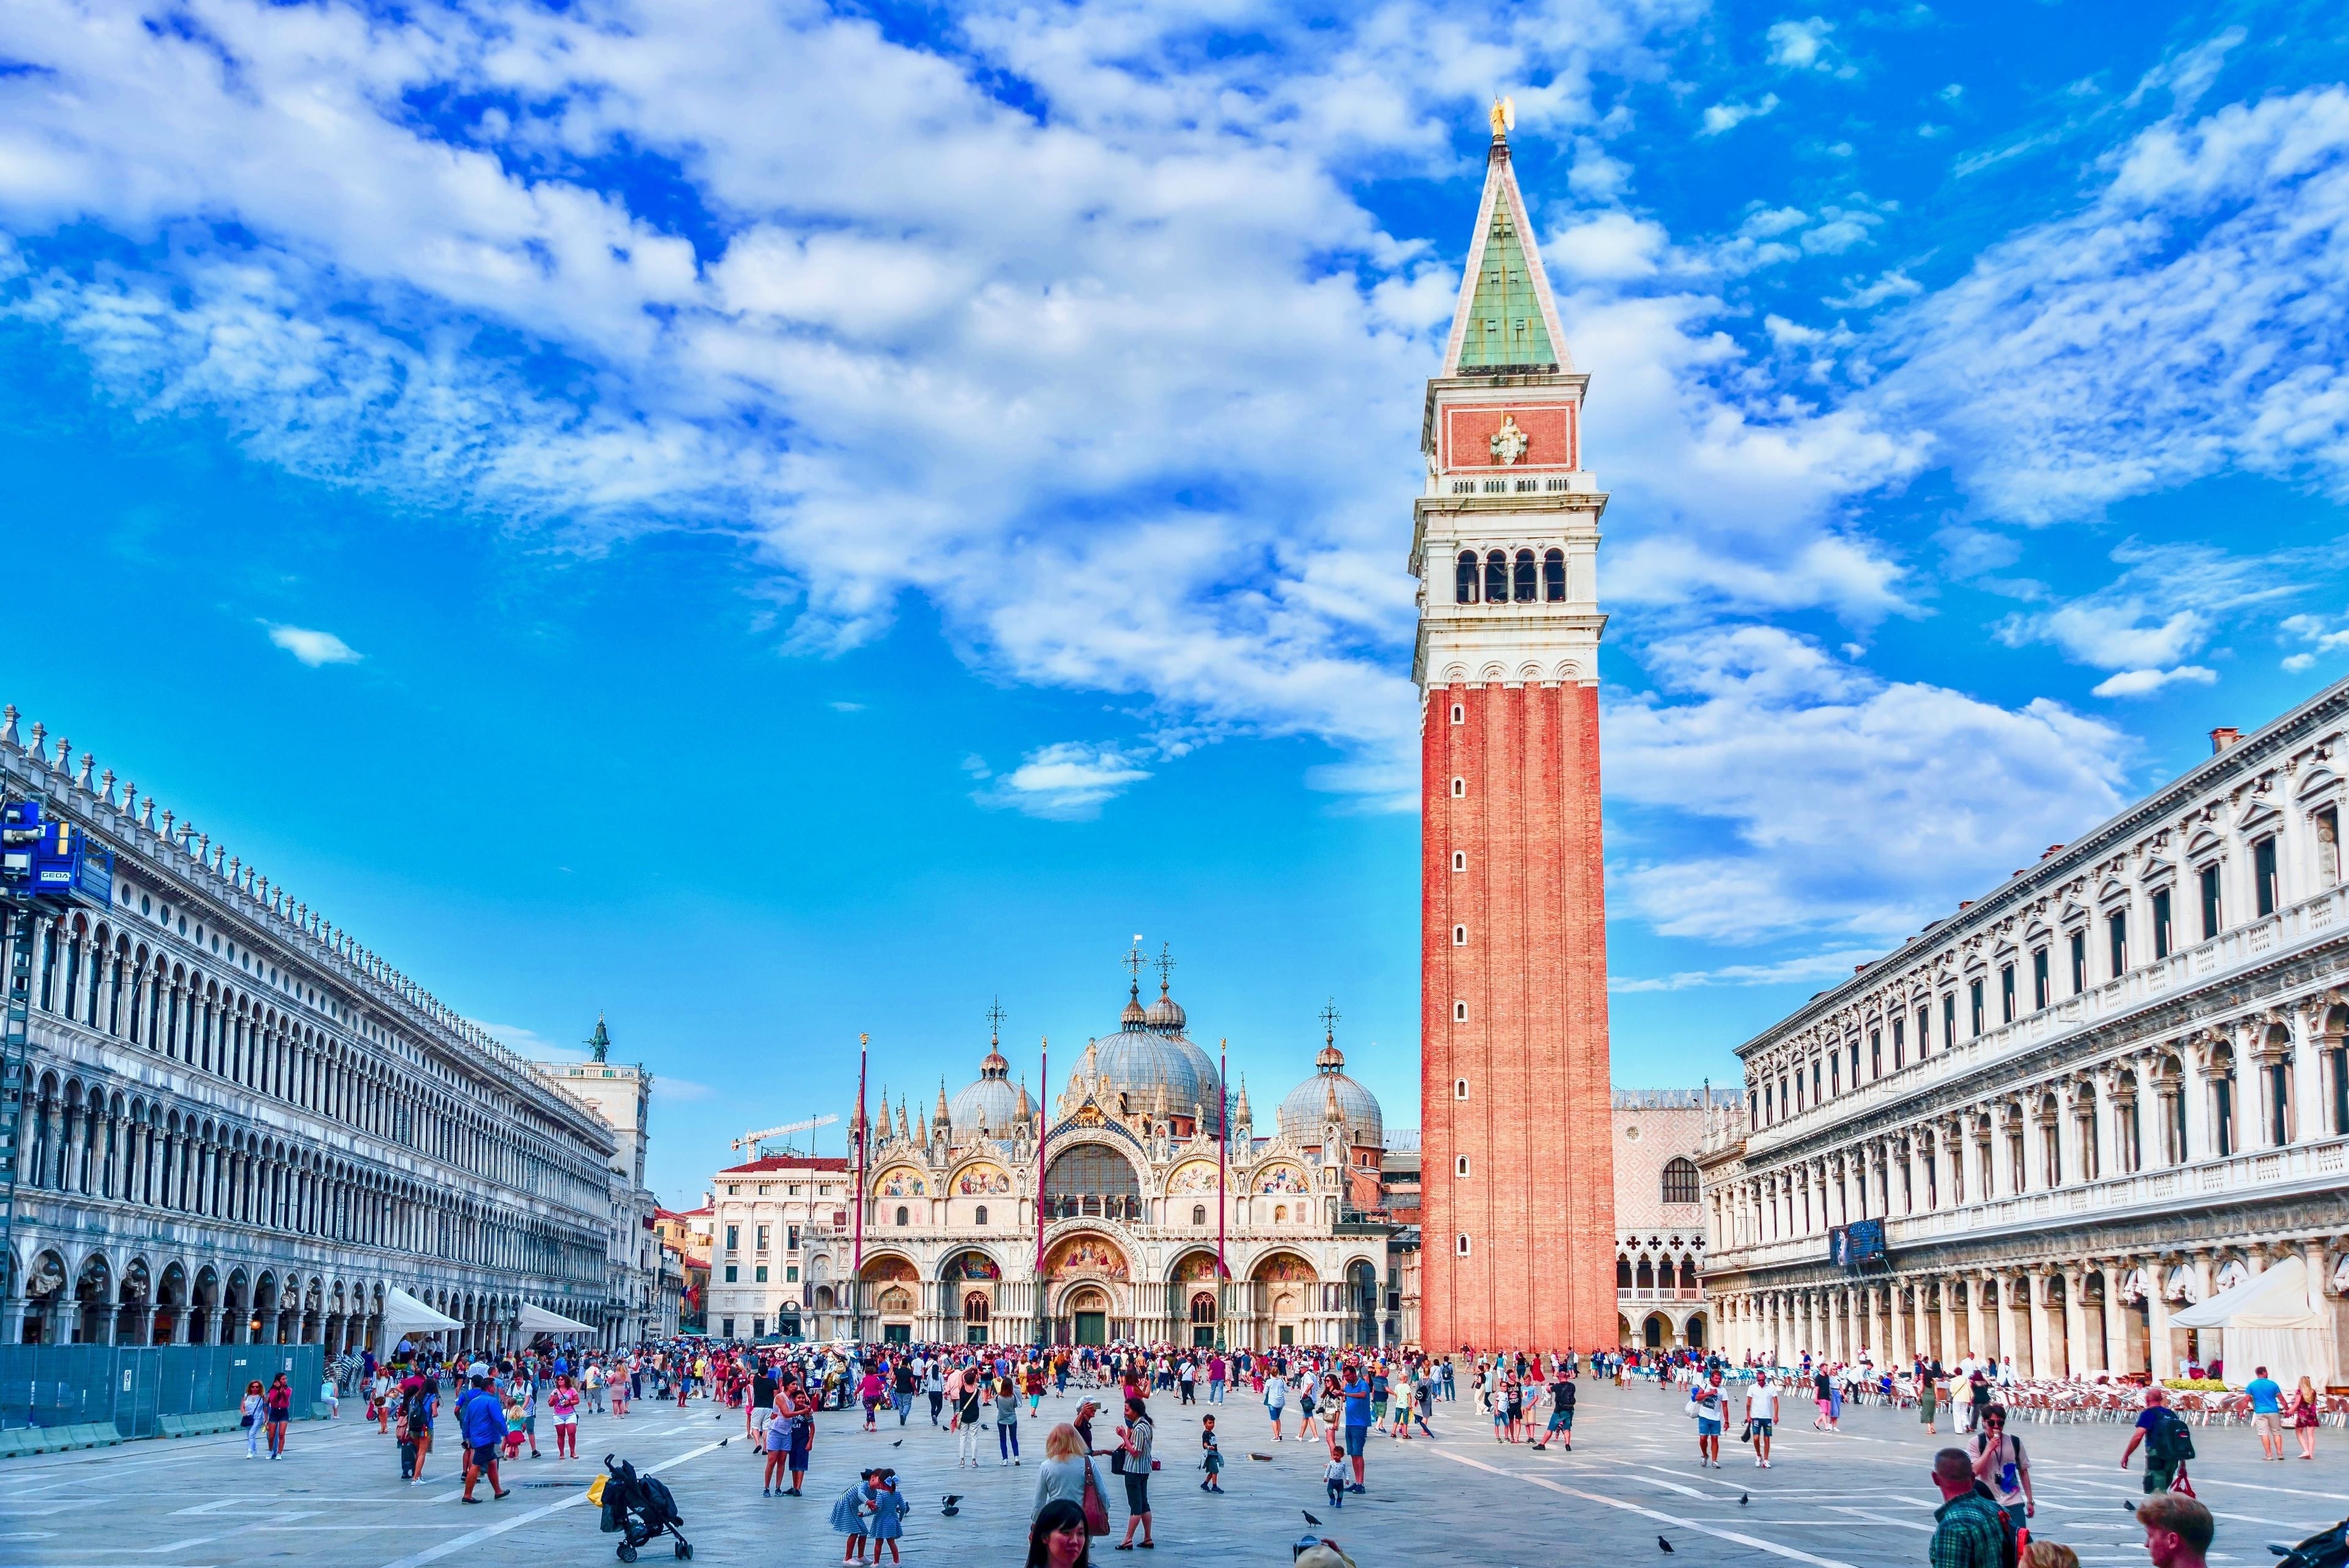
2319 1163
2261 941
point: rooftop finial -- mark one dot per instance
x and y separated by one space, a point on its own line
8 731
1505 117
599 1043
994 1016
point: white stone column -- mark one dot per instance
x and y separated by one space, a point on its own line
2116 1315
2076 1323
2042 1337
1898 1314
2160 1359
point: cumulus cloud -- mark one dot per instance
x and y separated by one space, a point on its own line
2170 601
1067 782
1721 117
2146 682
1845 803
1800 46
314 648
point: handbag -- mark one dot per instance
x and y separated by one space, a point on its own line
1116 1461
1096 1511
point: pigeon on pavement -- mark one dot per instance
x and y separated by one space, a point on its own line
1309 1516
1664 1543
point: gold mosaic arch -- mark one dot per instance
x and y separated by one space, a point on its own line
1283 1179
1193 1176
982 1179
900 1181
1088 1254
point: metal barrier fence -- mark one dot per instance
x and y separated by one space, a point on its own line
134 1386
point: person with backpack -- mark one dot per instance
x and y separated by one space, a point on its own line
2168 1444
481 1419
2000 1464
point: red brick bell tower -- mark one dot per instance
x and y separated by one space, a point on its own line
1518 1203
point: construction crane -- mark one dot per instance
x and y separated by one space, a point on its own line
753 1139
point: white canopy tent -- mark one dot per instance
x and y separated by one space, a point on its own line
536 1319
404 1315
2272 1320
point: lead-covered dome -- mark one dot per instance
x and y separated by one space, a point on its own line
991 1103
1152 1064
1305 1109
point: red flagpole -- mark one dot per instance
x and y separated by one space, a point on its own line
856 1289
1043 1123
1222 1148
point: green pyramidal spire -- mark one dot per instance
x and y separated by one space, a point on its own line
1505 316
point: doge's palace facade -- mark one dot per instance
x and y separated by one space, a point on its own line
2112 1087
240 1125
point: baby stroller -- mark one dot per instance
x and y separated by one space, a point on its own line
639 1509
2328 1548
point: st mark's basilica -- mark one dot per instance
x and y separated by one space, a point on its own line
1138 1189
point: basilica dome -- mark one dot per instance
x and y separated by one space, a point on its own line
1150 1055
991 1103
1305 1110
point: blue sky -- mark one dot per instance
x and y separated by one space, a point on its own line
779 522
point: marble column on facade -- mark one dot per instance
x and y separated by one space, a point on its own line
1897 1310
2117 1361
2035 1287
2160 1361
2014 1323
2075 1324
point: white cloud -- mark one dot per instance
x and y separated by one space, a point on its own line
1800 46
314 648
1832 965
2146 682
1893 285
1607 245
2170 601
2163 333
1847 802
1721 117
1067 782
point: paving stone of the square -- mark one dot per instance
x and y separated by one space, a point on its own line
1860 1498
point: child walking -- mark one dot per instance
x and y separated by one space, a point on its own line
1336 1478
1214 1462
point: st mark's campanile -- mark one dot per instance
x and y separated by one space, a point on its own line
1518 1202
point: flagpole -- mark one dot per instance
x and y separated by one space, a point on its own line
1043 1123
856 1286
1223 1160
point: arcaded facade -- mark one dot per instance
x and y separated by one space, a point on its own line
1138 1194
239 1124
2108 1089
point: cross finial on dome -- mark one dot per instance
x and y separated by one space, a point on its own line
1164 965
1330 1017
994 1016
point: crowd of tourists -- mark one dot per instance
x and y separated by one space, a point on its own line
1105 1445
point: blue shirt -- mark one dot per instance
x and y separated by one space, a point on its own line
2267 1396
1357 1403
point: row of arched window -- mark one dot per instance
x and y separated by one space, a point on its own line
100 979
1497 579
89 1141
